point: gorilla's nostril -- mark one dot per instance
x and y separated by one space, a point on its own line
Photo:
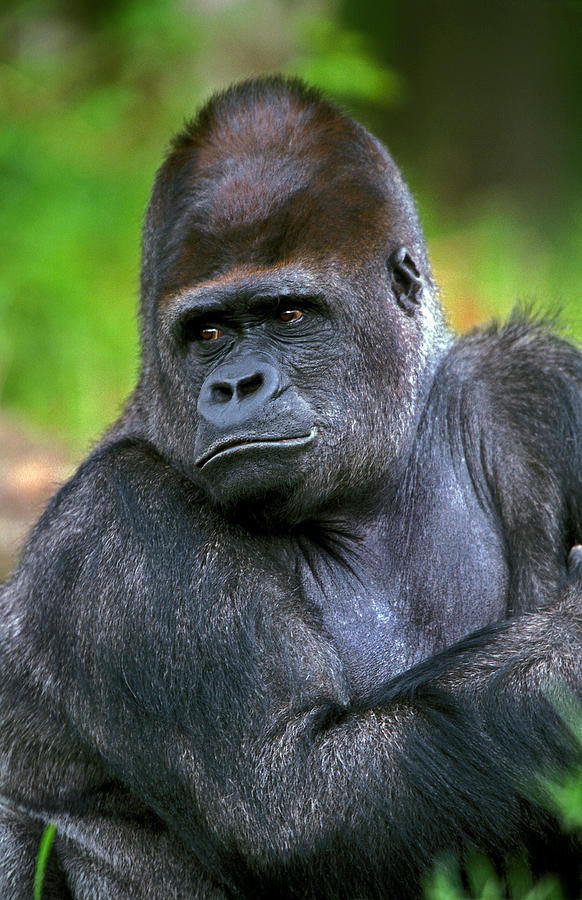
250 385
221 392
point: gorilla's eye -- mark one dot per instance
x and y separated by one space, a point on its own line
210 334
289 315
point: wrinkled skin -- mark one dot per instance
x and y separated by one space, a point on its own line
305 619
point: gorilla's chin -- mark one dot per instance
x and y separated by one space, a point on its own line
257 484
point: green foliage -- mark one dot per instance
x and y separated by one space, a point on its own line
494 254
483 883
84 130
566 796
44 850
340 62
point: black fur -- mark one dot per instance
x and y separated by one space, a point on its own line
303 621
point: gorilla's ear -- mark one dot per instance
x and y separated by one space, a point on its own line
404 280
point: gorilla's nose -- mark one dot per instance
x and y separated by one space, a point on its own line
237 391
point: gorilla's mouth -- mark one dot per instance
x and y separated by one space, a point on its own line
228 448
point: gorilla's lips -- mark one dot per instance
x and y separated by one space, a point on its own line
224 448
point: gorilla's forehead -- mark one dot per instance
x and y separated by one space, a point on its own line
269 158
260 189
269 210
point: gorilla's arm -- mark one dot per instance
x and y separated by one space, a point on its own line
221 706
512 397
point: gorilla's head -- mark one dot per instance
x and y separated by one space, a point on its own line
290 322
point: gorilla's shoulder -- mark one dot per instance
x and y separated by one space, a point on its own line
126 483
517 371
513 393
516 353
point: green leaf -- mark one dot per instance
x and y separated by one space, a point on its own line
44 850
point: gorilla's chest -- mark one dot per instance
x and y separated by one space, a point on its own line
416 593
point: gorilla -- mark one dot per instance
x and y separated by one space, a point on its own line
308 617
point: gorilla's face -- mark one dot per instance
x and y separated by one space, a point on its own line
253 353
289 400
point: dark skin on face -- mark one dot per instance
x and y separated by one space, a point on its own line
303 620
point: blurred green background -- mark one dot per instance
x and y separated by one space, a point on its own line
479 103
